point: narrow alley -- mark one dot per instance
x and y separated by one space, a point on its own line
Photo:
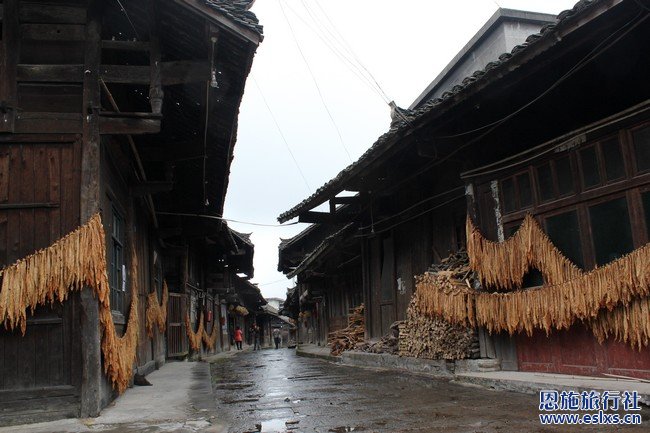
278 391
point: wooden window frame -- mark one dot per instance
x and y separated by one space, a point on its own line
630 186
118 298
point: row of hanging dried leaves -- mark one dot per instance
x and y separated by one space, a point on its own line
194 337
49 275
157 313
504 264
201 334
612 300
210 340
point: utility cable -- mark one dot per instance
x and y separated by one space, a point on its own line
313 77
345 51
642 5
445 203
272 282
386 98
284 139
350 64
230 220
599 49
126 14
374 223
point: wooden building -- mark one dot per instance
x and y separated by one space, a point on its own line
339 268
558 129
130 112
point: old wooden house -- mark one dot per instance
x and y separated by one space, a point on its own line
127 110
337 266
557 129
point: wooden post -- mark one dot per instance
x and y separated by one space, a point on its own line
10 48
91 386
156 93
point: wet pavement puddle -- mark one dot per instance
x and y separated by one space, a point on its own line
278 392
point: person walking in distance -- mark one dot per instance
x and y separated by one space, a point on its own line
256 337
239 337
276 337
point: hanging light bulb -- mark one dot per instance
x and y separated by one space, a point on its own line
213 79
213 71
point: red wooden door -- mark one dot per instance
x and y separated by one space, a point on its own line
576 351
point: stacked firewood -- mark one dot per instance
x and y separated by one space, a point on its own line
347 338
458 265
422 336
425 336
388 344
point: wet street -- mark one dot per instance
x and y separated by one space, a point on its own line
277 391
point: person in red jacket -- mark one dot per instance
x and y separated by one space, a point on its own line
239 337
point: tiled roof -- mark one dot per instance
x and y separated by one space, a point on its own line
245 237
238 11
400 127
321 248
284 243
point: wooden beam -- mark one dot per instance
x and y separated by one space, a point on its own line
72 123
151 187
43 13
346 200
52 32
125 45
132 125
13 206
38 139
171 73
48 123
51 73
177 72
324 217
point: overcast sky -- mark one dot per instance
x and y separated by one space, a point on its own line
404 44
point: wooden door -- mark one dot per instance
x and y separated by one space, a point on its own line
576 351
387 284
177 344
40 372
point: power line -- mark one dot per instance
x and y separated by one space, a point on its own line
350 64
352 51
286 143
230 220
273 282
413 206
126 14
313 77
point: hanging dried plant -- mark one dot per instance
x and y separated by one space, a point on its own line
194 337
120 352
612 300
73 262
504 264
210 339
157 314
